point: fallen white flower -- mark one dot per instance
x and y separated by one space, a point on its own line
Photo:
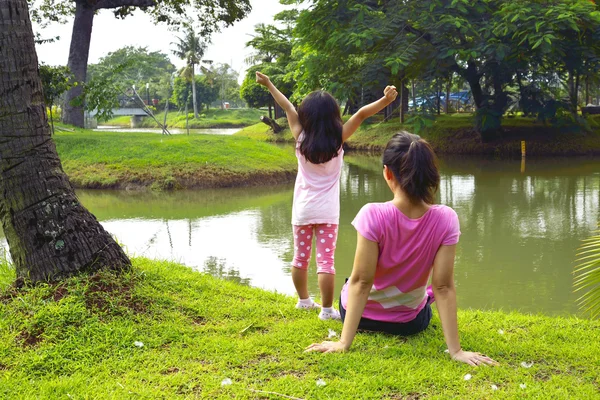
138 344
321 382
331 333
522 386
525 364
447 351
226 382
467 377
500 331
494 387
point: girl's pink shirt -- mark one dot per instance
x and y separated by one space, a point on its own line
407 249
317 190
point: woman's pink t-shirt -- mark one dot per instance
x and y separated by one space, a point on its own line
317 190
407 248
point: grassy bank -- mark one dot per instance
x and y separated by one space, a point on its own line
213 118
133 160
78 340
455 135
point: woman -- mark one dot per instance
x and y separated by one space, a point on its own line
401 243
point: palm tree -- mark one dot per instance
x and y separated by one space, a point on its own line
191 48
587 274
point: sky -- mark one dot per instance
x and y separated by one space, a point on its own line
110 34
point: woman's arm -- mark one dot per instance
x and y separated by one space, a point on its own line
359 287
389 95
445 298
288 107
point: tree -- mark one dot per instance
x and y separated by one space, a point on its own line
206 92
138 67
49 233
208 14
256 95
55 82
191 48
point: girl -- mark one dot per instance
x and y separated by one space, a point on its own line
320 134
399 245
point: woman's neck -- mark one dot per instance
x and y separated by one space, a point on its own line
412 210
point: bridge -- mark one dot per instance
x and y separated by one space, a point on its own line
120 112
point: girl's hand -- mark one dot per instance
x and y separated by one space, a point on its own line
474 359
390 93
262 79
327 347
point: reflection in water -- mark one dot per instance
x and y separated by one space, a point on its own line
519 230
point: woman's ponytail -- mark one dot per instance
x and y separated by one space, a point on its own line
414 165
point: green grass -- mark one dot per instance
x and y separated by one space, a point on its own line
213 118
76 340
110 160
455 134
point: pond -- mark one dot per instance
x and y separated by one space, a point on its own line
174 131
520 231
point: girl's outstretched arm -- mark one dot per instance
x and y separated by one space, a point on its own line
389 95
288 107
359 287
445 298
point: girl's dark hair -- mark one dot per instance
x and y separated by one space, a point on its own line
320 117
414 165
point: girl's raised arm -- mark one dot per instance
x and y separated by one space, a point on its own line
445 298
288 107
389 95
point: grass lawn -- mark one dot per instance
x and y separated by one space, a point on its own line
454 134
164 331
117 160
213 118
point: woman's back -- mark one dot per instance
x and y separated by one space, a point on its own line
407 248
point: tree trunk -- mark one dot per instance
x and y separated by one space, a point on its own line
51 120
187 128
439 99
194 104
78 59
448 88
271 122
270 111
402 95
414 95
49 233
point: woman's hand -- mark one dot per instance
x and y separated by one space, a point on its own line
474 359
327 347
390 93
262 79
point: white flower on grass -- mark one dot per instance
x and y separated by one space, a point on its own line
525 364
321 382
494 387
138 344
226 382
522 386
500 331
332 333
467 377
447 351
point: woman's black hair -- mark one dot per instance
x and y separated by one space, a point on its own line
320 117
414 165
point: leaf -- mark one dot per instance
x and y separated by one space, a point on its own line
587 274
537 44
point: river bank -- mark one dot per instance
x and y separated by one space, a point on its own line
208 119
455 135
112 160
165 331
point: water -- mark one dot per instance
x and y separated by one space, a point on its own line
520 231
174 131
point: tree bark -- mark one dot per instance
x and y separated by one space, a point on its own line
271 122
78 59
448 88
194 103
49 233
